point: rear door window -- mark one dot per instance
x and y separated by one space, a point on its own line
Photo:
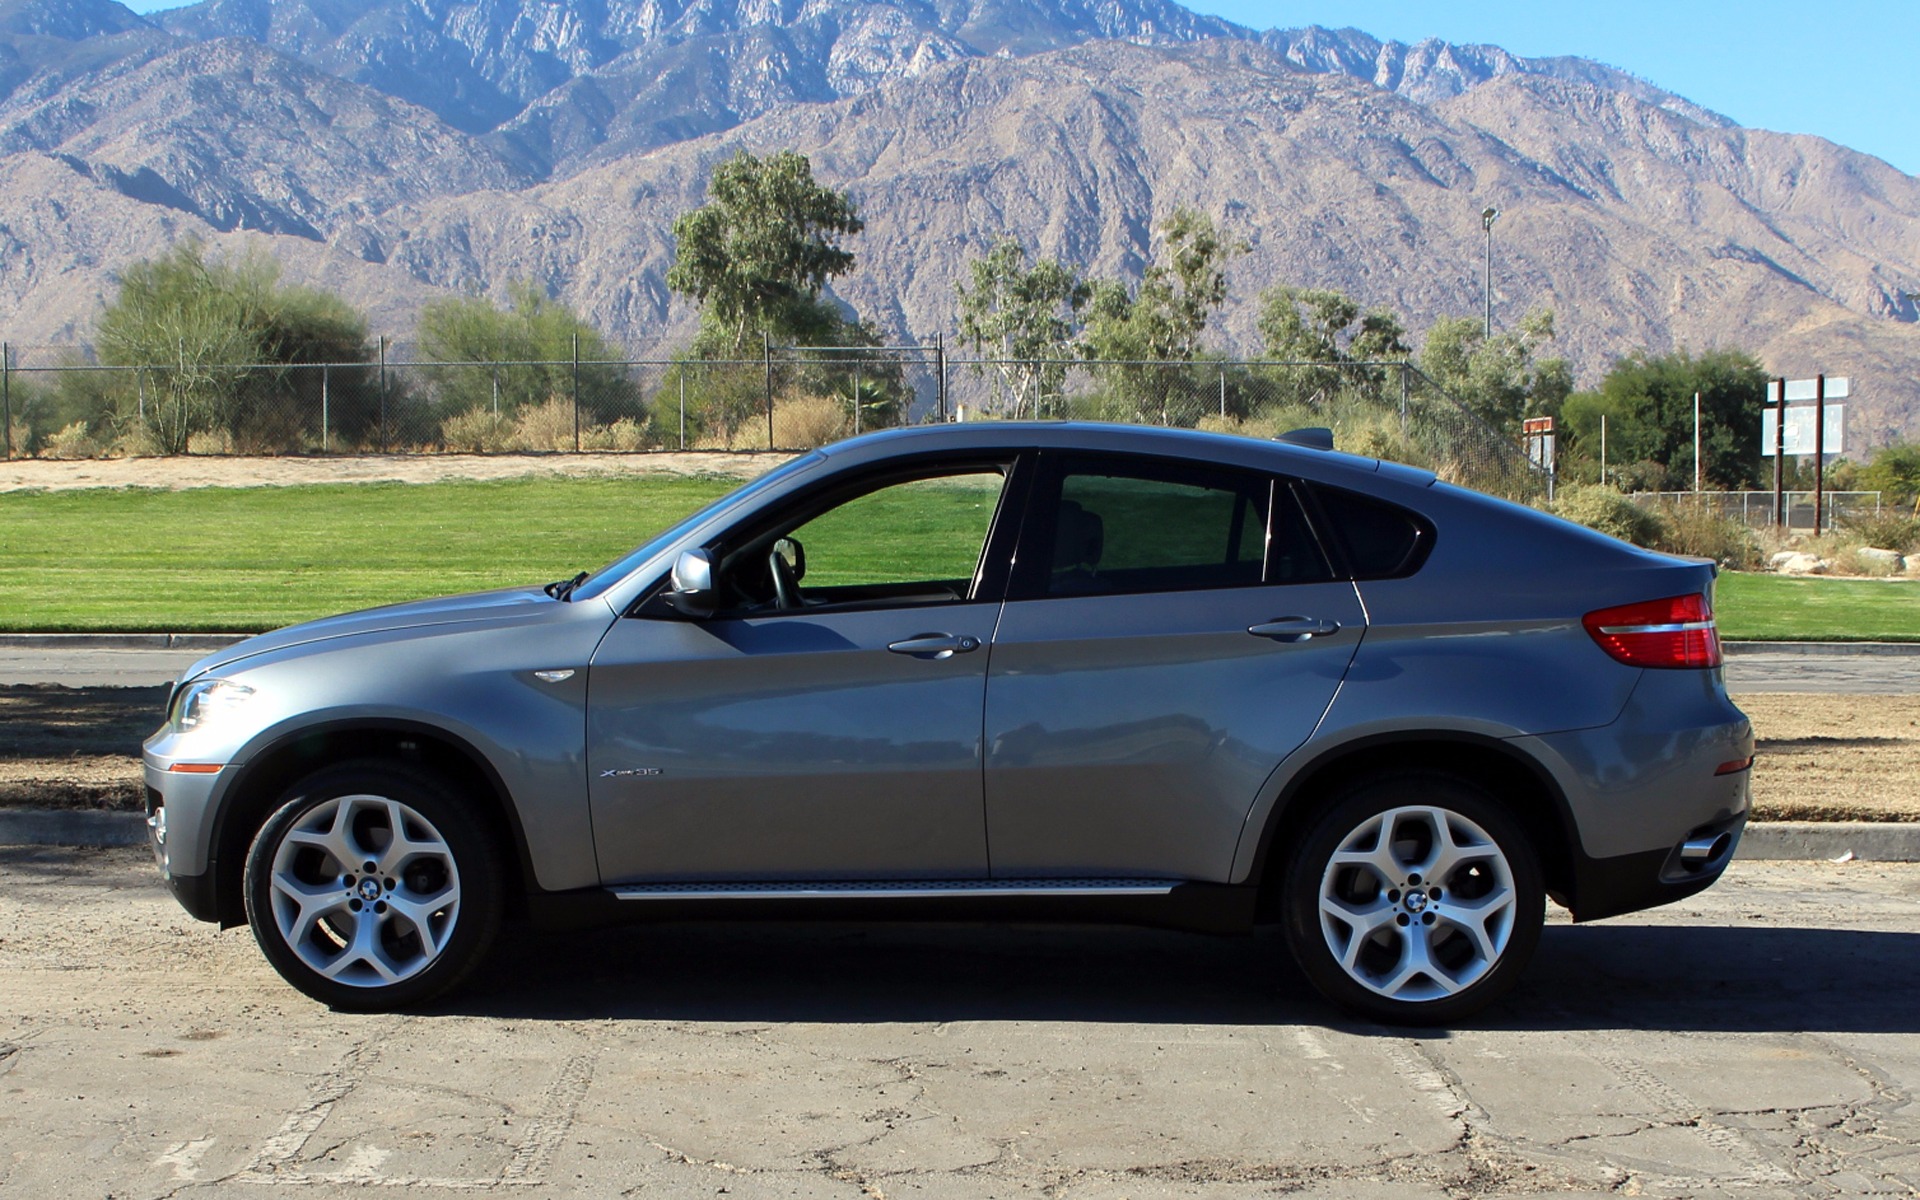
1112 526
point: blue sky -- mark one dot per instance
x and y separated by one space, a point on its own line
1847 70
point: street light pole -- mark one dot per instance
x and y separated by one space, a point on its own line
1488 216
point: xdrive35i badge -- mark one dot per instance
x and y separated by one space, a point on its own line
626 771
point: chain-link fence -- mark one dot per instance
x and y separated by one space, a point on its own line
1755 509
60 403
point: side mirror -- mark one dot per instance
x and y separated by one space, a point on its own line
690 591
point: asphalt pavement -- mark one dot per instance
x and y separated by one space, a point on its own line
1758 1041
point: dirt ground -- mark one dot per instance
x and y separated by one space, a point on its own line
1821 757
175 474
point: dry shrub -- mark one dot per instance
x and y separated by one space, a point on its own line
805 421
73 441
548 426
1693 530
477 431
1887 531
623 436
271 429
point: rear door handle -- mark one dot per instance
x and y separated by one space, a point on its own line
1295 629
936 645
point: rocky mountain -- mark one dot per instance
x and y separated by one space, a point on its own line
400 151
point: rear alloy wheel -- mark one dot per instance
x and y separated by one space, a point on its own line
372 888
1415 900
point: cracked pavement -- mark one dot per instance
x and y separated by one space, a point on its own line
1760 1040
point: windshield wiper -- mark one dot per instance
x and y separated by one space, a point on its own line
560 589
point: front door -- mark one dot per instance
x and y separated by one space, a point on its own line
826 723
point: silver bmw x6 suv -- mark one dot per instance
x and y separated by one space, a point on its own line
1005 671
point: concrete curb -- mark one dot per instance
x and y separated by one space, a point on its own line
70 827
1895 649
121 641
1866 841
1766 841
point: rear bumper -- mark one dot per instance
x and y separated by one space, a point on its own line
1624 883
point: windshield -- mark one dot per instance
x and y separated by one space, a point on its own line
614 572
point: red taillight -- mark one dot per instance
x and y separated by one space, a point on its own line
1675 632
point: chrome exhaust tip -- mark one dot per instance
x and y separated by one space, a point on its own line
1698 852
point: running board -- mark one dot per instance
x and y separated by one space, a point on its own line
895 889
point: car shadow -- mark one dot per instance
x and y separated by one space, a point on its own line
1706 978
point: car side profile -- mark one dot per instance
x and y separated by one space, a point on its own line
989 671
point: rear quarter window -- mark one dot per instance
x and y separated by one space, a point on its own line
1375 539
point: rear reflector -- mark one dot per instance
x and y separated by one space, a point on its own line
1735 767
1675 632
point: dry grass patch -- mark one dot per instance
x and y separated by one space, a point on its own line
1835 757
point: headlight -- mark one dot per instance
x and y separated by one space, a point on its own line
204 702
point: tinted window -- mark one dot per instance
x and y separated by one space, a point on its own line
1379 540
1147 528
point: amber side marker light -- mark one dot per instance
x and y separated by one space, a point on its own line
1676 632
196 768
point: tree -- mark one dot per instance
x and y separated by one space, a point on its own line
1895 470
1499 379
1161 321
1648 403
758 253
1027 318
525 354
219 340
1320 326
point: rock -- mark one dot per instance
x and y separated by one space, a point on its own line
1804 564
1782 559
1893 558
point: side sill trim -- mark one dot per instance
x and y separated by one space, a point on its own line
895 889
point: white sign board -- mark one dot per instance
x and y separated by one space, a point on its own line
1799 437
1808 389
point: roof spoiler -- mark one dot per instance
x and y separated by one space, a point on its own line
1314 437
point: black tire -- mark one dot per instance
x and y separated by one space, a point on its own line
1408 956
432 907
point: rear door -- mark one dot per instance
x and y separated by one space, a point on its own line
1173 631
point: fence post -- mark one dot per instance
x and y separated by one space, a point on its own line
1223 393
383 394
6 394
940 372
576 393
683 406
1403 400
856 397
766 344
326 379
140 387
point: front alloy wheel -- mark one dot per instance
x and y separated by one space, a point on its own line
371 888
1414 900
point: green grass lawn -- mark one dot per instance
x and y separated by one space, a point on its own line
1778 608
244 559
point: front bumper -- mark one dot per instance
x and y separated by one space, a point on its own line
180 832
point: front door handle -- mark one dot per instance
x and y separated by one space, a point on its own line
936 646
1295 629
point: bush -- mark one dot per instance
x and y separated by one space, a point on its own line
477 431
1611 513
72 441
1887 531
1695 531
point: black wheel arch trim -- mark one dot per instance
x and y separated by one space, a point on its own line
1559 862
227 904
